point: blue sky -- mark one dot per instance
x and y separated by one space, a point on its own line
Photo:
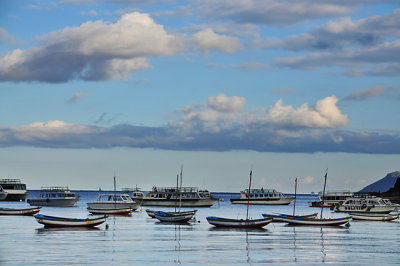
139 88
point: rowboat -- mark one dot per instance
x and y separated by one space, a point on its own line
239 223
52 221
150 213
24 211
374 216
277 217
315 221
111 211
176 216
180 217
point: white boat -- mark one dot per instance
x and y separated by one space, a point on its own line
110 201
262 197
3 193
331 198
167 197
277 217
53 221
374 216
238 223
54 197
17 211
180 217
16 190
366 205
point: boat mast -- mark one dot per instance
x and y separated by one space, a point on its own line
248 196
295 194
115 188
180 191
176 192
323 193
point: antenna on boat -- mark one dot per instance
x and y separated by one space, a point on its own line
323 193
248 194
295 194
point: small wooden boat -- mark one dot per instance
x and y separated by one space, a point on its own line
315 221
179 217
374 216
112 211
238 223
150 213
52 221
23 211
277 217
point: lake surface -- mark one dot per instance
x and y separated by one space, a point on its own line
140 240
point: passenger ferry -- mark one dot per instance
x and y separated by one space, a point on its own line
172 197
366 204
331 198
55 197
262 197
16 191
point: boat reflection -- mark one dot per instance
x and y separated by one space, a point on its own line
178 243
233 229
46 230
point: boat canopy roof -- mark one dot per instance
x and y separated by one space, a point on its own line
174 190
10 181
113 197
260 191
54 189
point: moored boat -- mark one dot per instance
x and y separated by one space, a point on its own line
366 205
53 221
150 213
55 197
238 223
135 194
331 198
374 216
277 217
167 197
180 217
16 190
21 211
262 197
112 211
116 201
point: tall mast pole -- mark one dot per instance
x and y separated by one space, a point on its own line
295 194
176 192
180 191
323 193
248 196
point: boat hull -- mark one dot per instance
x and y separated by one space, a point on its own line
238 223
175 217
374 217
112 211
277 217
13 195
67 202
112 205
174 203
26 211
282 201
362 209
314 221
52 221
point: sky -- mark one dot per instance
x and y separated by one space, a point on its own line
90 89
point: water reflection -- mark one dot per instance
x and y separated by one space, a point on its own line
323 245
178 242
46 230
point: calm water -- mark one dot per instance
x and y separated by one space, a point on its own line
140 240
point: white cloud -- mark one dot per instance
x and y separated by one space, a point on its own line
226 104
207 39
94 51
324 115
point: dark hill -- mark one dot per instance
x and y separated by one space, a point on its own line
383 184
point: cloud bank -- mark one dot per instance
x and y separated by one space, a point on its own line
219 124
